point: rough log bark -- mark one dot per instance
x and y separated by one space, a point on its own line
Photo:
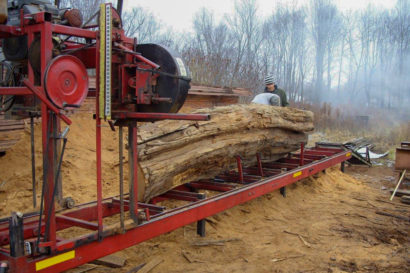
172 153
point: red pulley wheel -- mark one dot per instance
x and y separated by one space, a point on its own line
66 81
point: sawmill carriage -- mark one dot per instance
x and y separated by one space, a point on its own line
48 53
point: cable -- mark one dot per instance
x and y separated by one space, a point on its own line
165 74
66 52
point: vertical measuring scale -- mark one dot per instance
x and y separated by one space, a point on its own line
108 56
105 61
104 96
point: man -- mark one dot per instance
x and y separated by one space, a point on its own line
272 88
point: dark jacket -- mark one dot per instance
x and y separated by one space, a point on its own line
281 94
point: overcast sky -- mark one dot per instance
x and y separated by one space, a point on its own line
178 14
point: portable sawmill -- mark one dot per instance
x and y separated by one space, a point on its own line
49 53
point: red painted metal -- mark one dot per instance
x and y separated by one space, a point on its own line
302 151
147 214
18 91
10 31
212 186
258 159
47 103
138 56
72 31
159 116
99 171
239 165
66 81
180 195
70 221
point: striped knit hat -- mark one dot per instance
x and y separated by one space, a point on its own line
269 80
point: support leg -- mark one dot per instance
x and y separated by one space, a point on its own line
283 189
200 225
200 228
48 176
302 154
33 161
121 147
133 168
16 235
99 177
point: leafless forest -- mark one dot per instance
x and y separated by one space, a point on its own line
318 53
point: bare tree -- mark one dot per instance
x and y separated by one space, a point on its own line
142 24
285 41
323 14
246 33
212 43
400 30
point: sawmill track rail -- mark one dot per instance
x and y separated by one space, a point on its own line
230 188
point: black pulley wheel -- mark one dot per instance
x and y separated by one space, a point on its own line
174 85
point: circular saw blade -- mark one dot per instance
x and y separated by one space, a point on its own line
176 87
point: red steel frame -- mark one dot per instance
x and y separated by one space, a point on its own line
65 254
88 247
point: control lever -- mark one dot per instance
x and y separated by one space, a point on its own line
156 100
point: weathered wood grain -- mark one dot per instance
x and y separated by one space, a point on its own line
172 153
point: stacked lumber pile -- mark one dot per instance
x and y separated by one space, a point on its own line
172 153
197 89
10 132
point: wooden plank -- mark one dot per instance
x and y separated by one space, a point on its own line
218 90
111 261
8 142
135 269
11 127
10 123
10 132
82 268
405 199
150 265
7 146
405 218
212 94
400 192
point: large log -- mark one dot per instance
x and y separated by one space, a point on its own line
172 153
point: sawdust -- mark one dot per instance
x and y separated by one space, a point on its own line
332 215
78 168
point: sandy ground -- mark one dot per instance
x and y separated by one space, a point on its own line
325 224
